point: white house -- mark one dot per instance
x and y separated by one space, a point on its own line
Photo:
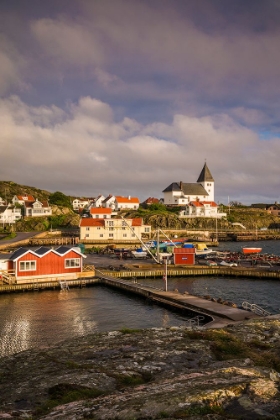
113 229
81 203
37 208
109 202
181 193
97 202
126 203
202 209
100 213
9 214
22 199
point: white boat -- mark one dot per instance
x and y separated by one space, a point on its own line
201 250
139 254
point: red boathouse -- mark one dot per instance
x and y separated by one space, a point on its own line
45 264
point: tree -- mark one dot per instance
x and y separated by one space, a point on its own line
60 199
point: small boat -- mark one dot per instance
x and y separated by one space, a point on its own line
201 250
251 250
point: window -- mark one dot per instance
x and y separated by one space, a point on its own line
101 235
147 229
133 235
27 265
111 235
111 228
123 228
87 235
124 235
87 228
111 223
72 262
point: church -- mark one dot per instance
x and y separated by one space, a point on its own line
182 193
197 198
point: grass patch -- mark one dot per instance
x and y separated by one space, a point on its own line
64 393
130 330
226 346
198 410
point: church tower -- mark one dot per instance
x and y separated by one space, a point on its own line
207 181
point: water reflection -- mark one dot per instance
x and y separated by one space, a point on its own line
41 319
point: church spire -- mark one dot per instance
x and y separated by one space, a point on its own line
205 175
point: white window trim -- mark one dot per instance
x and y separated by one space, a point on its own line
27 265
72 263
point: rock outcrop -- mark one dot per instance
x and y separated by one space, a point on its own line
174 373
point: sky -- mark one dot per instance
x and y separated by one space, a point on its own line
125 97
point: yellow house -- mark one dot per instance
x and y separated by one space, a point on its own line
113 229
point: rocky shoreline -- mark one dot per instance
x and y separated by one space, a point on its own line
174 373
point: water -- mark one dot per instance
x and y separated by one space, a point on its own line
39 319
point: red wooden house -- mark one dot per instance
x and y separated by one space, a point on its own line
45 264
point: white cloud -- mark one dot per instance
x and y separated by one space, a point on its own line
83 151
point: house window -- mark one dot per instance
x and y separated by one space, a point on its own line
124 235
101 235
133 235
123 228
87 228
27 265
72 262
111 223
111 228
111 235
87 235
147 229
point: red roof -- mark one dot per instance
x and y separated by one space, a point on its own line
120 199
201 203
138 221
25 197
100 210
151 200
89 221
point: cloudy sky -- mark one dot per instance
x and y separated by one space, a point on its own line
127 96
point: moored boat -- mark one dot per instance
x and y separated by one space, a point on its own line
251 250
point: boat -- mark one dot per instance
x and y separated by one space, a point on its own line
251 250
201 250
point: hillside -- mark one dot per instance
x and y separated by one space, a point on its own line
164 218
8 189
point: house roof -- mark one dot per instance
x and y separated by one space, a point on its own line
202 203
205 175
120 199
89 221
26 197
40 252
151 200
30 204
107 198
100 210
3 208
137 221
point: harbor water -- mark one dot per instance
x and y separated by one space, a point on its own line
41 319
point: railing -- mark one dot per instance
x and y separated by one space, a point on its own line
88 267
255 308
8 276
195 322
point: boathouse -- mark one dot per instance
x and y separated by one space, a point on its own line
26 265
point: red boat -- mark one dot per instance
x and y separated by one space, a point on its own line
251 250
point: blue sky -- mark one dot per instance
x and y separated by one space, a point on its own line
127 96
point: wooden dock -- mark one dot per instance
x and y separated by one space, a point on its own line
215 314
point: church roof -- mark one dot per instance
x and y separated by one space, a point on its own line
205 175
187 188
193 189
175 186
